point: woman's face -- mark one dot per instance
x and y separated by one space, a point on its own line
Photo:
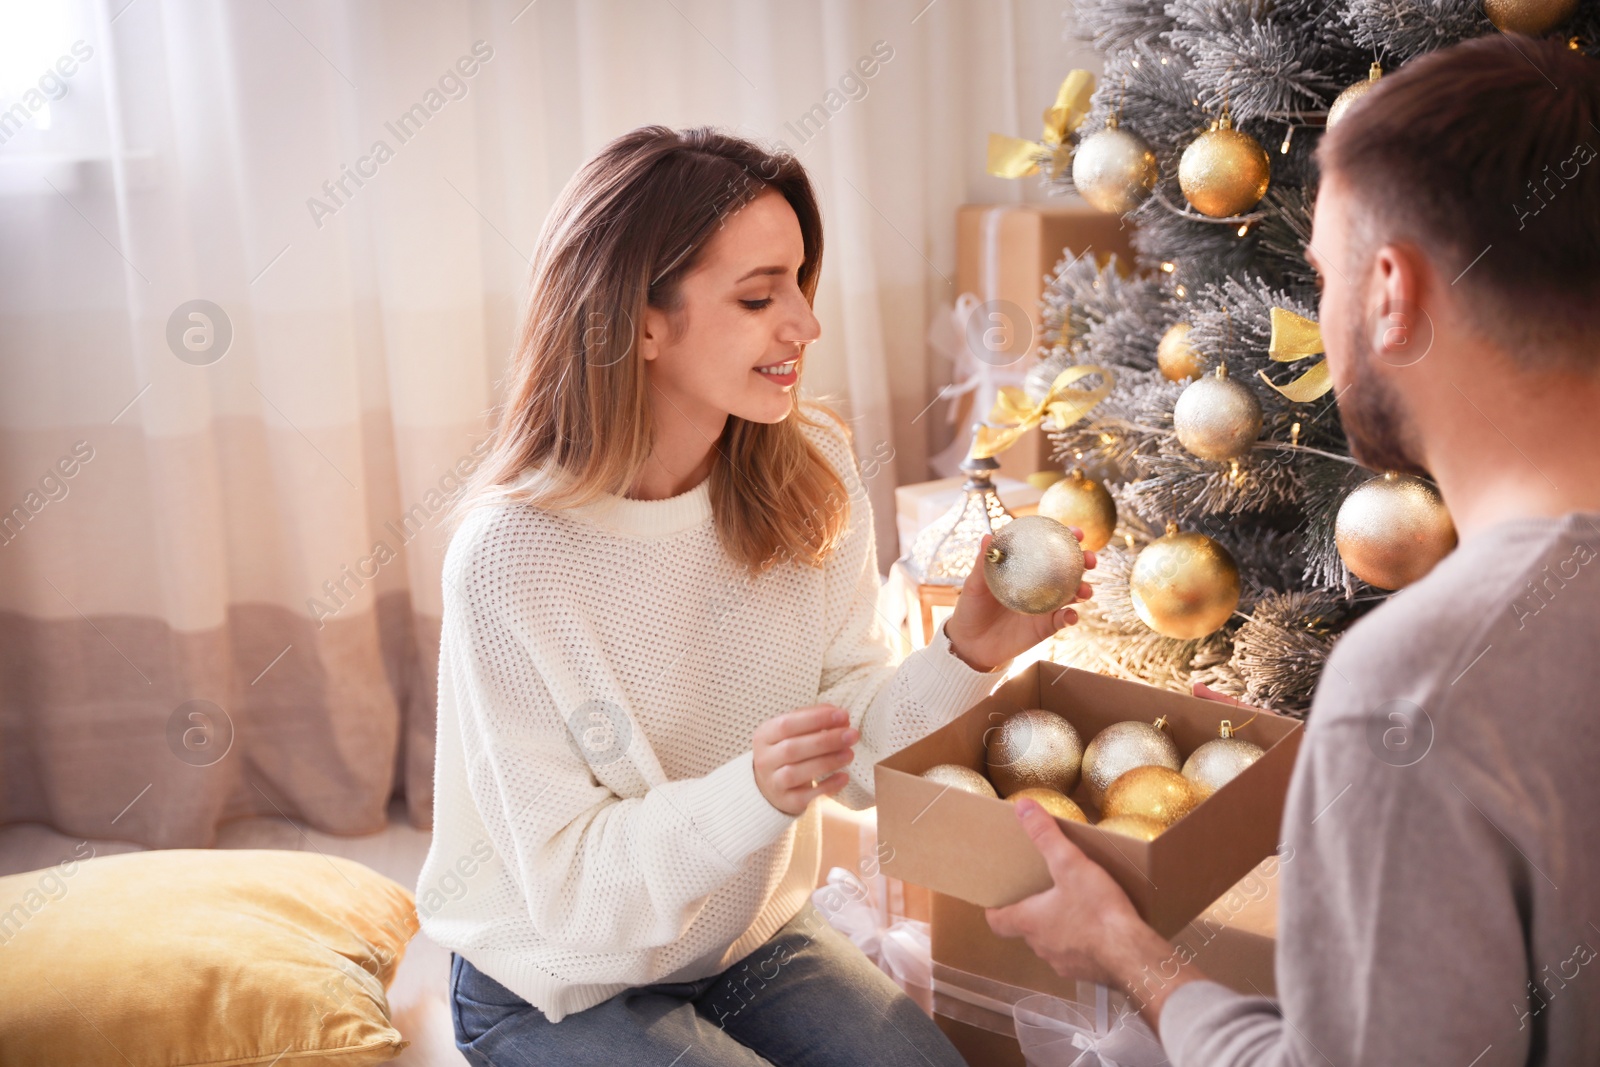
741 309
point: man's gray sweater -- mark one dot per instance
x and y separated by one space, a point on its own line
1440 896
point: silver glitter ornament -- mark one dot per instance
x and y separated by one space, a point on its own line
1120 748
1034 748
1217 417
1218 762
1034 565
956 776
1114 170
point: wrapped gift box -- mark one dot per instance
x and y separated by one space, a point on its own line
973 848
1003 253
850 840
978 977
975 978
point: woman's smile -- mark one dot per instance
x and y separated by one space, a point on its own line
782 374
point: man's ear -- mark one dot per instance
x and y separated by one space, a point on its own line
1396 318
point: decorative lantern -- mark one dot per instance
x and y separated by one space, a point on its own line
942 555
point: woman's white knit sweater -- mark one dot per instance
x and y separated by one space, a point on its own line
602 670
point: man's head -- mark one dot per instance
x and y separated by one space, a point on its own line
1457 232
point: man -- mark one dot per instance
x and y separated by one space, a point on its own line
1440 899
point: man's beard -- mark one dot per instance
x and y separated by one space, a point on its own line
1374 419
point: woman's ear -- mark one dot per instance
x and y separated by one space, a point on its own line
655 330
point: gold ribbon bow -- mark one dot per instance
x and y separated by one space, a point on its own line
1016 414
1295 337
1013 157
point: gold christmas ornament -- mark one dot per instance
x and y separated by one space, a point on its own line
1157 793
1121 747
1176 356
1136 826
1392 530
1114 170
1218 762
1217 417
956 776
1184 585
1033 748
1057 804
1224 172
1532 17
1034 565
1080 501
1342 102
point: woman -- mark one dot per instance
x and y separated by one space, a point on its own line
660 643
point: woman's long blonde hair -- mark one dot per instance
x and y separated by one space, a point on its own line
622 235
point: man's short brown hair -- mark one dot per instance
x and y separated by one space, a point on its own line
1484 155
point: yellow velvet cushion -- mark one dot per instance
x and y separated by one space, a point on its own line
199 956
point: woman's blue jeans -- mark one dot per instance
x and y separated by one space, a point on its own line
827 1005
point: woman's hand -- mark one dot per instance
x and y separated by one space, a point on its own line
801 745
985 633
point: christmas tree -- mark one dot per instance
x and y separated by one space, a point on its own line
1214 256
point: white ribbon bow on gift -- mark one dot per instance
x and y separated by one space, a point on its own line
1055 1033
952 334
902 949
980 369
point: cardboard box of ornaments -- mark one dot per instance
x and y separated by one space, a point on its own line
971 846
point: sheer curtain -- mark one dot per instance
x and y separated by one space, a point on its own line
261 265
